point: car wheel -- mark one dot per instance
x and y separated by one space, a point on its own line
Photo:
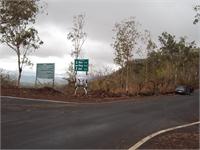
188 92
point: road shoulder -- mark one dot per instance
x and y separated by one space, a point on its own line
180 137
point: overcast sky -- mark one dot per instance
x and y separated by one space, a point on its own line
172 16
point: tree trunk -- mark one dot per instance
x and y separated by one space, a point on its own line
146 76
155 87
19 68
175 76
122 84
140 86
127 89
19 78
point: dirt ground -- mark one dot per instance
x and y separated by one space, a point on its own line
52 94
184 138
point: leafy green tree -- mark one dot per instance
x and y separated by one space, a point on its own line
16 18
125 40
185 57
170 51
176 52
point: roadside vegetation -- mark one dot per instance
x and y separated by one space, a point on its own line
6 80
162 64
175 62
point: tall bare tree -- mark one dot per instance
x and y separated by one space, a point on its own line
125 40
16 18
119 61
77 35
146 47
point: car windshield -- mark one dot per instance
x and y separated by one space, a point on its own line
180 88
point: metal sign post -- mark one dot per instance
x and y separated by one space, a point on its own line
45 71
81 65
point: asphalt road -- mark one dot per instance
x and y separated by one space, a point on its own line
32 124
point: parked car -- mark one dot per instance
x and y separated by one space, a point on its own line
184 89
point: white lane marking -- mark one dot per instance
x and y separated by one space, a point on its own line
53 101
41 100
138 144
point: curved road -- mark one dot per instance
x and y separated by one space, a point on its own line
35 124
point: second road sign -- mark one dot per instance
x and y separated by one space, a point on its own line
81 65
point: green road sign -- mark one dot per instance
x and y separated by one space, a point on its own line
45 71
81 65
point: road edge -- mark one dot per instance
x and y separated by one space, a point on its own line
63 102
147 138
41 100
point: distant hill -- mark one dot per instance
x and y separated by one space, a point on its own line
151 76
28 78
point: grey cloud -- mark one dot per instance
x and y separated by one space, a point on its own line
173 16
6 52
157 16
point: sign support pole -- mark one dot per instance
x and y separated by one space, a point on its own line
81 65
53 77
53 83
36 81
